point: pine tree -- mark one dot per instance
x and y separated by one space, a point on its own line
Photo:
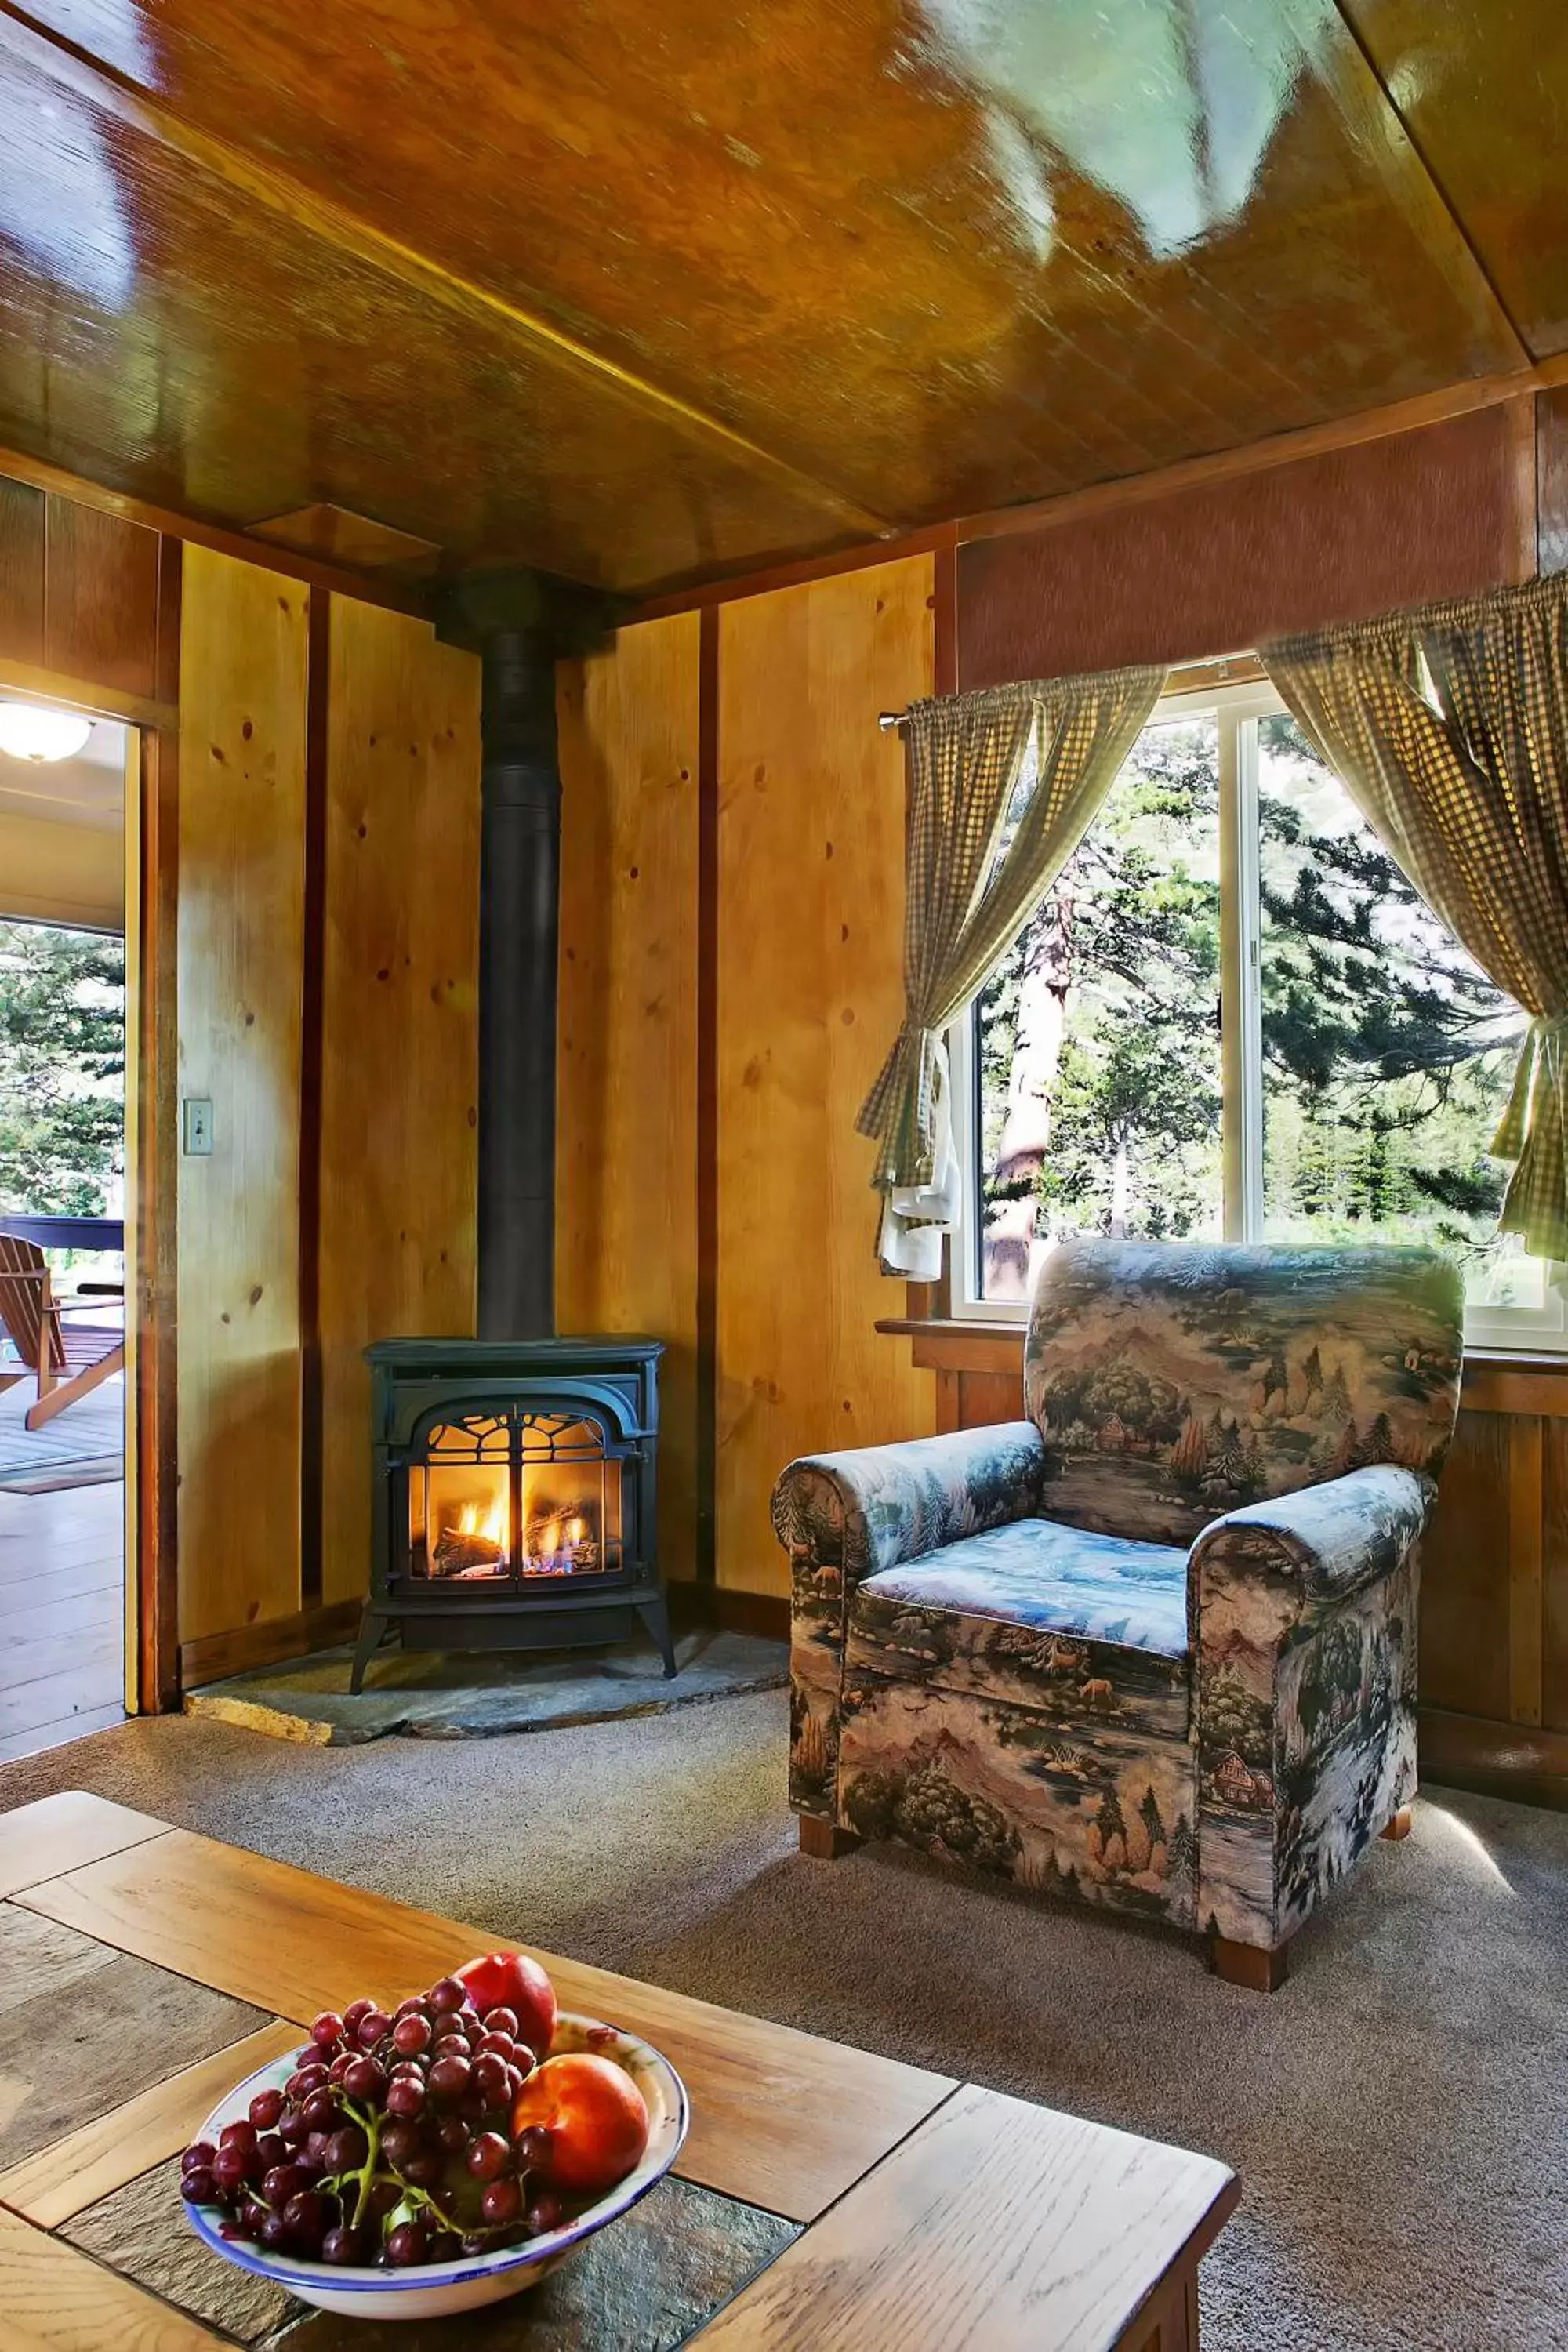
1145 1832
1387 1053
1112 1831
1190 1452
62 1062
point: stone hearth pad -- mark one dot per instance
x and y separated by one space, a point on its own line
476 1694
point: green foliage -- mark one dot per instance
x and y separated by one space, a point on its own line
1387 1053
62 1063
1133 926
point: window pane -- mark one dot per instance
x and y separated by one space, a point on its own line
1098 1063
1387 1053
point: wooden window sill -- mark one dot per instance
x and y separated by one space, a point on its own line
1496 1379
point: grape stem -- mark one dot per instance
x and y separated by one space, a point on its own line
369 2122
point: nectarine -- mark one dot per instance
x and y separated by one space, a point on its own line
511 1980
595 2117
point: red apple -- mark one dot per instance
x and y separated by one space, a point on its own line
511 1980
595 2116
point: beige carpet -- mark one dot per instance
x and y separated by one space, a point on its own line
1398 2113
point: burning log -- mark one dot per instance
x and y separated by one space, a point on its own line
460 1552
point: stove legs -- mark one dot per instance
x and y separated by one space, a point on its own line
371 1633
655 1615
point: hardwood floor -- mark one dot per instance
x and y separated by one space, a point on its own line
61 1616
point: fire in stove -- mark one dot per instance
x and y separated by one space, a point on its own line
483 1506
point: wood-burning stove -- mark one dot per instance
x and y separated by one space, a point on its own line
514 1498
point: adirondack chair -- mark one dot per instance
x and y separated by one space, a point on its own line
69 1357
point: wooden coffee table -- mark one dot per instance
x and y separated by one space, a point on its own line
868 2204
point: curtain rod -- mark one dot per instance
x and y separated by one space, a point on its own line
890 721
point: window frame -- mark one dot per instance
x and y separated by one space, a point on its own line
1235 709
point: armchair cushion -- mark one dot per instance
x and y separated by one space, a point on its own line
1056 1579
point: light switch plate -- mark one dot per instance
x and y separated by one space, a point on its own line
197 1124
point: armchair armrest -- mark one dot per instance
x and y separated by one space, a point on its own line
1303 1631
842 1517
855 1513
1320 1544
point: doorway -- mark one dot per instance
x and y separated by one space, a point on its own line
63 1168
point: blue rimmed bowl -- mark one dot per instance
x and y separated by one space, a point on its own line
435 2290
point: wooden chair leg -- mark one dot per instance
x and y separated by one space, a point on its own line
823 1841
1401 1825
1256 1967
59 1394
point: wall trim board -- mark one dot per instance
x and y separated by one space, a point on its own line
707 1097
40 474
84 694
727 1608
213 1656
1131 489
1520 1761
313 1027
152 885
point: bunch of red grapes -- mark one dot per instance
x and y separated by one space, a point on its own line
389 2143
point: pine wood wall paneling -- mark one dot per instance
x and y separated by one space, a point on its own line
1526 1512
400 1028
79 593
21 573
101 597
1554 1585
627 1228
811 839
1464 1583
241 879
1552 480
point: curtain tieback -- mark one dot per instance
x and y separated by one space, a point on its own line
1541 1054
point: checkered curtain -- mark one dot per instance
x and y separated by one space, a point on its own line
976 866
1450 726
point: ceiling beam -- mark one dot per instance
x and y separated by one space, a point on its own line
1383 136
102 86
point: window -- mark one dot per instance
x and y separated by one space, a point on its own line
1231 1016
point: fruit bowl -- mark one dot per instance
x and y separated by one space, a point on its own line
434 2290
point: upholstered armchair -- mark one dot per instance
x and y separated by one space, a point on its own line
1154 1647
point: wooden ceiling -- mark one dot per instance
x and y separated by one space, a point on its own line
644 291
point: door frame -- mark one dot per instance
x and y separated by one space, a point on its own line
152 1173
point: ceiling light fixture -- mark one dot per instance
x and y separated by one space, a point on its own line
29 730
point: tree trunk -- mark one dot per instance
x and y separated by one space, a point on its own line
1043 992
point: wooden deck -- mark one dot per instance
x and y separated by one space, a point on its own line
61 1616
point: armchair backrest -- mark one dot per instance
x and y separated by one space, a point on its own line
1172 1381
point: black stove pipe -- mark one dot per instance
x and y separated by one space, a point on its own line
520 624
519 885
